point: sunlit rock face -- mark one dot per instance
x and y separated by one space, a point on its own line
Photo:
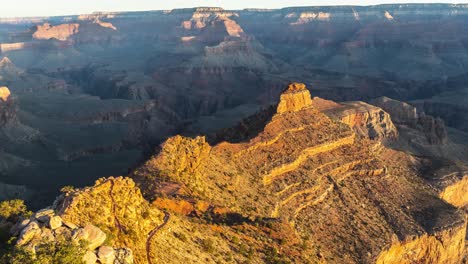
7 108
4 93
294 98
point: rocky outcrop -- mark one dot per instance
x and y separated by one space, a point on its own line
60 32
7 108
184 156
366 120
296 97
434 129
105 24
4 93
47 227
117 207
443 247
401 112
457 193
407 115
311 171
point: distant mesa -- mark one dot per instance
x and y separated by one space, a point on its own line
4 93
60 32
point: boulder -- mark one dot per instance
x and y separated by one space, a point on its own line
55 222
69 224
63 233
16 229
47 235
44 215
89 258
28 233
106 255
91 234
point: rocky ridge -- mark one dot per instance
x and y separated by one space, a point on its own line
270 175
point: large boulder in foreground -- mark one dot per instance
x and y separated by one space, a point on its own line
117 207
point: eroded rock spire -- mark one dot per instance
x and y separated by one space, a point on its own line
296 97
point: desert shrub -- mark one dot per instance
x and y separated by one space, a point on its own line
181 237
12 209
208 245
272 256
67 188
57 253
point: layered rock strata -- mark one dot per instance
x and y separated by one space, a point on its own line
314 173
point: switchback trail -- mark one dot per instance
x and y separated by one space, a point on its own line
152 233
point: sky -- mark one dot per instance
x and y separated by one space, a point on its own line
22 8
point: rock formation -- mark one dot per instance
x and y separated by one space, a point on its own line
406 115
4 93
47 227
117 207
309 170
366 120
7 108
296 97
60 32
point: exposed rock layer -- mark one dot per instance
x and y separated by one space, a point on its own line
309 170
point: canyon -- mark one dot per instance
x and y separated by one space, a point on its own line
243 129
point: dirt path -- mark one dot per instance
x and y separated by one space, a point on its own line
152 233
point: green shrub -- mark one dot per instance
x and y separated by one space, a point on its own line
208 245
12 209
57 253
181 237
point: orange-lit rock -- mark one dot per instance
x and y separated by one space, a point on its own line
296 97
4 93
60 32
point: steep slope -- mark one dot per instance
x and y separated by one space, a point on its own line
315 174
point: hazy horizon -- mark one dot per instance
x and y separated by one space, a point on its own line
31 8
